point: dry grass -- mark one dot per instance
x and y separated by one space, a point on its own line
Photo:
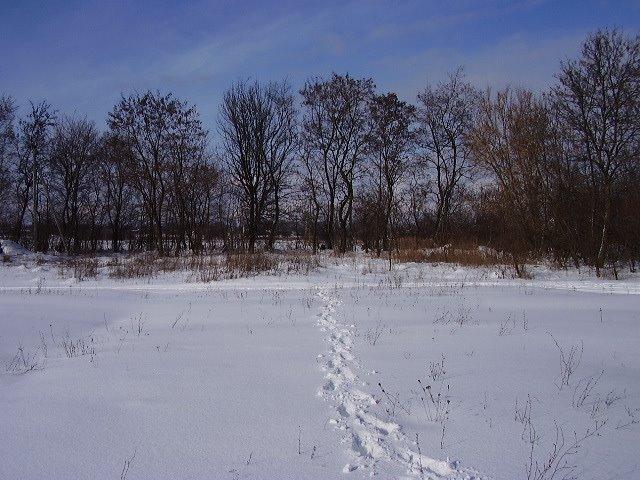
412 255
303 262
207 268
81 268
413 243
466 255
250 263
136 266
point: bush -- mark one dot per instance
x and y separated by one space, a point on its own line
473 256
81 268
207 268
136 266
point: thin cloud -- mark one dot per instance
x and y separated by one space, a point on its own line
518 60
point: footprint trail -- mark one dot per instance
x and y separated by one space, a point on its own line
376 445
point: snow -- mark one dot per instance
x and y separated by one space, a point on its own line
11 248
316 376
376 443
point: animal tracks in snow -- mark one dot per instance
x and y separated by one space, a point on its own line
374 443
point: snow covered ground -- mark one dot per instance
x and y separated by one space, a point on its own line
351 371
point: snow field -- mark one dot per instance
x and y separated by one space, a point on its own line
428 372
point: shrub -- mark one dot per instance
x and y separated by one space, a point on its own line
81 268
474 256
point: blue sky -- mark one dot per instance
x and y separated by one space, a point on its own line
80 55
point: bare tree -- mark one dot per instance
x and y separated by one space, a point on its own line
193 182
204 178
311 194
7 155
446 114
154 125
628 221
33 143
598 99
335 133
188 159
510 142
116 164
71 162
390 141
282 143
258 131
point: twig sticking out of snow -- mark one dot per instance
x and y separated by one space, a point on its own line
569 362
127 465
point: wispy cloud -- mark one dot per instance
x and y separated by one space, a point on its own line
518 60
82 57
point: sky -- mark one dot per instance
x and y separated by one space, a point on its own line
82 55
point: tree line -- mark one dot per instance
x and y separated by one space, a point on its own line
340 165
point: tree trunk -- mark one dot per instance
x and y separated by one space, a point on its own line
602 250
